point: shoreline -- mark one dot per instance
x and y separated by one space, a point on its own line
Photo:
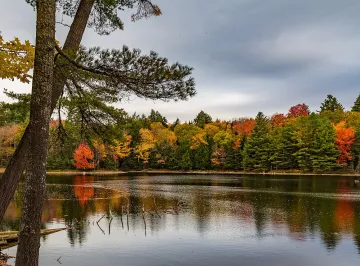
195 172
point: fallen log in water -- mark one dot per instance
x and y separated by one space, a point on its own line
10 237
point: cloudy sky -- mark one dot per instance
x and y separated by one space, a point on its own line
248 55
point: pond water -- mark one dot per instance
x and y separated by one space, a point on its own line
198 220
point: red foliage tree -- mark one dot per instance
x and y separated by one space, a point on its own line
299 110
345 138
278 120
83 157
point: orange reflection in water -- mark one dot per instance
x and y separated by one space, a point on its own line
344 211
83 192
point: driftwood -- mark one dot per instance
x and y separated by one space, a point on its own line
9 238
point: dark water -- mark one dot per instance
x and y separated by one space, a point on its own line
199 220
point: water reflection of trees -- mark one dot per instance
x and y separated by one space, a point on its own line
263 203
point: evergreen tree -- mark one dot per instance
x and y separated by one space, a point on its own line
173 125
202 119
155 116
302 139
331 104
324 153
257 149
201 157
356 107
355 150
185 163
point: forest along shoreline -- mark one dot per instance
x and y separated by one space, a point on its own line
196 172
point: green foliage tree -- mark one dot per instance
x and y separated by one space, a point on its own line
331 104
17 112
202 119
257 148
155 116
355 150
356 107
323 151
185 162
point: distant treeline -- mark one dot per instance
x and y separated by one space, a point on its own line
323 141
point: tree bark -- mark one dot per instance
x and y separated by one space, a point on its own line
40 112
16 166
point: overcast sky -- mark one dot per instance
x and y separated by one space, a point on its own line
248 55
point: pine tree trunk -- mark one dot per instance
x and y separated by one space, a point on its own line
16 166
40 112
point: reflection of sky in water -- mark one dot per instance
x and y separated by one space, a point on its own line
205 220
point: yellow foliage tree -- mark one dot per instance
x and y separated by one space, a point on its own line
122 148
16 59
100 151
147 143
197 140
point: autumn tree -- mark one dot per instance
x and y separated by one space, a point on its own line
10 135
100 151
344 140
145 146
84 157
331 104
243 127
224 144
298 110
278 120
73 68
16 59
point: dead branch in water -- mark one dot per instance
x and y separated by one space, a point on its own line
101 218
143 216
156 208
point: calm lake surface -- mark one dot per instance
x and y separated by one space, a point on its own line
198 220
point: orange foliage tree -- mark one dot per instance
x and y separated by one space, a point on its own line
244 127
278 120
83 157
345 138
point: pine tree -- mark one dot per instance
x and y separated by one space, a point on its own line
331 104
302 139
202 119
155 116
355 150
186 163
256 154
356 107
201 157
324 153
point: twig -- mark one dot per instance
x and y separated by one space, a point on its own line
100 218
100 228
58 260
64 24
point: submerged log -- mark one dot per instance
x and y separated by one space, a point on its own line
8 238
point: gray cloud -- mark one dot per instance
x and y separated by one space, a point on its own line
248 55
